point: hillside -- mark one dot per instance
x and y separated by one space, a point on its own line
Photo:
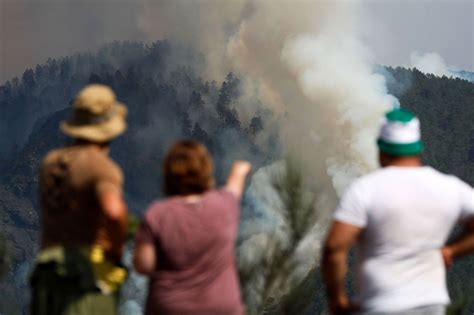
446 109
467 75
168 99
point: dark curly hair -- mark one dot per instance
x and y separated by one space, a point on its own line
188 169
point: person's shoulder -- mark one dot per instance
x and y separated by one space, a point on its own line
52 156
382 172
446 178
392 172
435 173
50 159
367 179
458 188
160 205
222 193
159 209
459 183
368 182
94 154
96 159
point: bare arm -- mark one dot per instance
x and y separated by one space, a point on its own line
116 213
462 246
144 258
339 241
236 180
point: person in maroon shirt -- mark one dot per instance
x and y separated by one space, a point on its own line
186 242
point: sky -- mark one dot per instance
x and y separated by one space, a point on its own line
33 30
444 27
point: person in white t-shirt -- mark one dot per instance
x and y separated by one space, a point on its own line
400 216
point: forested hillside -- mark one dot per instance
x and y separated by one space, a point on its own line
167 99
446 110
445 107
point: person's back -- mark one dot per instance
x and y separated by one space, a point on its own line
196 272
186 242
407 213
83 221
400 217
71 181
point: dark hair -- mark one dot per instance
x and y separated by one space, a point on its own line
187 169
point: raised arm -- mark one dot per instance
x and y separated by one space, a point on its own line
339 241
236 180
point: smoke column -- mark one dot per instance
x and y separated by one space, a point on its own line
334 71
305 60
431 63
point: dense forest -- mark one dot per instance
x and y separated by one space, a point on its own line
446 109
168 99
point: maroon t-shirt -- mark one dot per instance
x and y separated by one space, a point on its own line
195 245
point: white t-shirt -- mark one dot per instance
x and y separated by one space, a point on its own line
407 214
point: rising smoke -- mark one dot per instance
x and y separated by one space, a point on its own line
431 63
305 60
317 72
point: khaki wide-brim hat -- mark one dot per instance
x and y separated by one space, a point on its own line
97 116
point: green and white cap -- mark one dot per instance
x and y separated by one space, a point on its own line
400 133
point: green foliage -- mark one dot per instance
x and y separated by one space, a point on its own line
445 108
166 100
298 209
300 215
461 292
457 307
133 222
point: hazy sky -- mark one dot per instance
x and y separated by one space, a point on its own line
445 27
33 30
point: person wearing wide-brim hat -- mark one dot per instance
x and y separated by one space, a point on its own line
400 216
97 116
84 216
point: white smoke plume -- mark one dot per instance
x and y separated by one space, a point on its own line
319 73
304 59
431 63
307 62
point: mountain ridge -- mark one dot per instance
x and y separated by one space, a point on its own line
168 100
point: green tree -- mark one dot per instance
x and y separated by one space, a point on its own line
275 277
